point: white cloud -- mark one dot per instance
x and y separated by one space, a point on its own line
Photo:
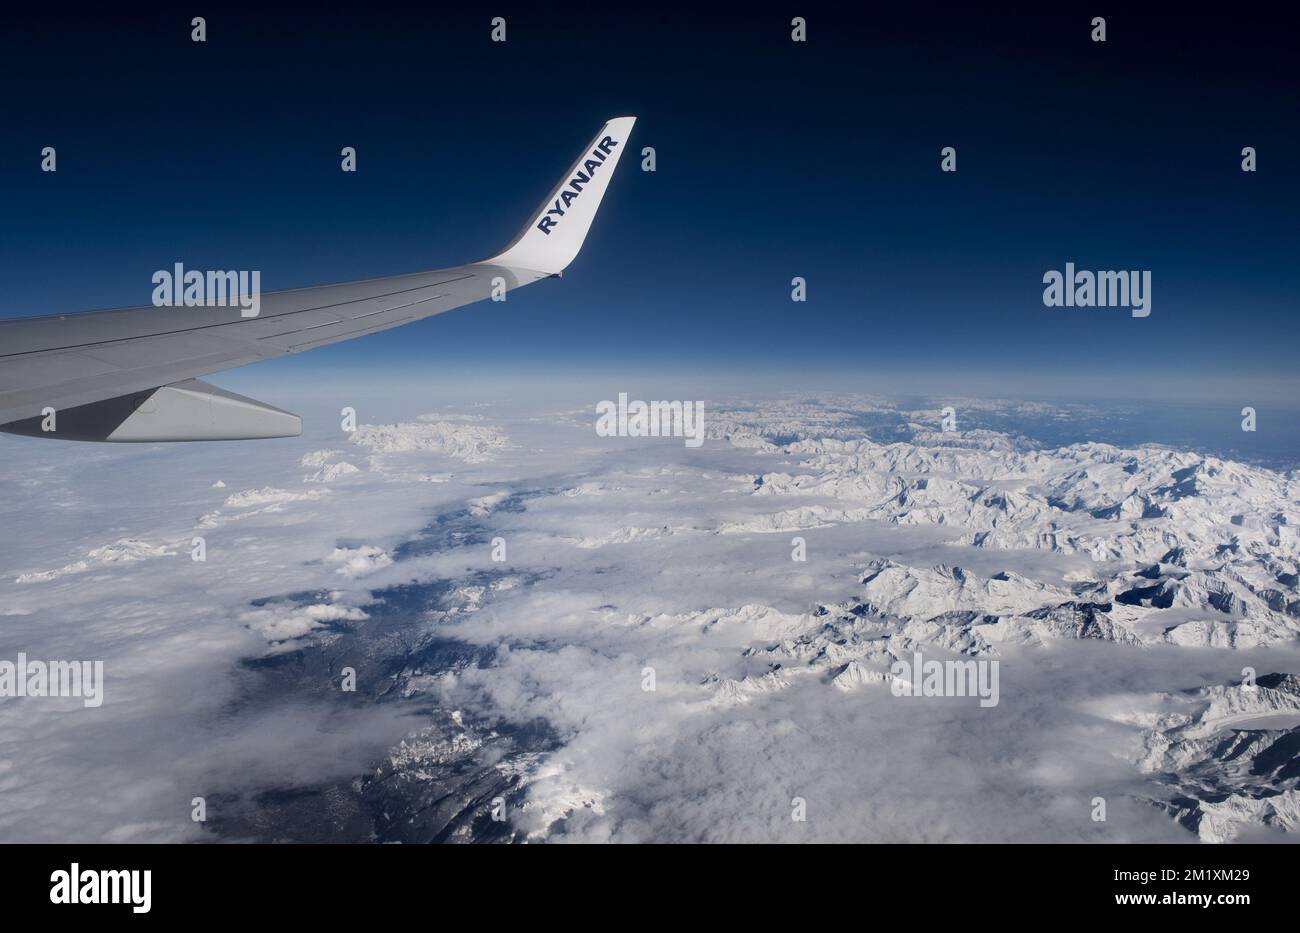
280 622
359 562
771 676
124 549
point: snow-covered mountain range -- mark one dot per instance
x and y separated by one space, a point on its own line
558 635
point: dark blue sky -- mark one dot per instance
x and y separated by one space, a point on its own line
775 159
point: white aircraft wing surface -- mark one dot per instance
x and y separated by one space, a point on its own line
132 374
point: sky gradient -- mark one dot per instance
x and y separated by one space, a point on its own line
775 159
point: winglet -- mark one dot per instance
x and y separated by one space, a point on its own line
552 238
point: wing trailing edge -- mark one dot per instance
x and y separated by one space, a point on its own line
186 411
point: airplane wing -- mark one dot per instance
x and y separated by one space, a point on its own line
131 374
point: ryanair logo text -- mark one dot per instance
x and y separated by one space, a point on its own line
570 192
